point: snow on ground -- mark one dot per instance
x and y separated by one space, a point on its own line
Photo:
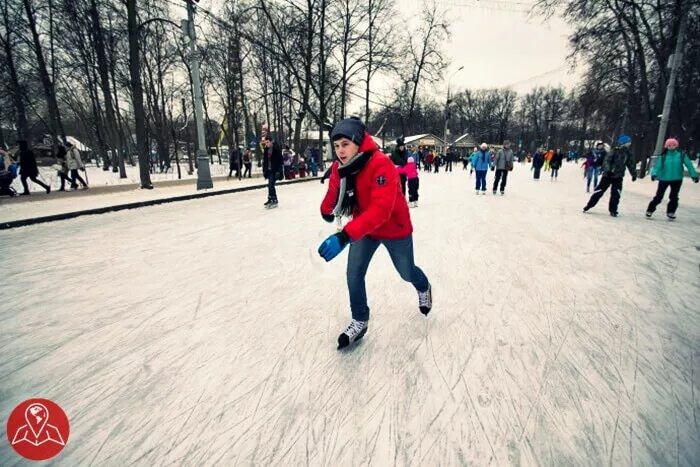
203 332
20 207
98 177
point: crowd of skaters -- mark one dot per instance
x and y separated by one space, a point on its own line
603 169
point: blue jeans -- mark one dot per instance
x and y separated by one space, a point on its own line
271 191
481 180
359 257
591 174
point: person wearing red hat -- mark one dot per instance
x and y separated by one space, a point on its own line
668 170
364 184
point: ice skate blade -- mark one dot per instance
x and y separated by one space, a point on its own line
344 340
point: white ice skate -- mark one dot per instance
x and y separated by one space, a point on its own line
354 332
425 300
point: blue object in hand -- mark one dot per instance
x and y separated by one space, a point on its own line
333 245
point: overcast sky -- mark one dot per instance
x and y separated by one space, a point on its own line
498 48
496 41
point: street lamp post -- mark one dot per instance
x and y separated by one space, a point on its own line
447 103
203 172
204 179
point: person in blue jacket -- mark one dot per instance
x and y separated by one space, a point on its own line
668 170
481 160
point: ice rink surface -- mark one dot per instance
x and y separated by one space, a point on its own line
203 332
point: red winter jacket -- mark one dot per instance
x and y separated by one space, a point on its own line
381 210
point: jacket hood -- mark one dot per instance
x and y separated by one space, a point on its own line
368 144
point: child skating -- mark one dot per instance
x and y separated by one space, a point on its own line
411 171
668 170
364 184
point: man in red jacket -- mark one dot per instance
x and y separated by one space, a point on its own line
365 184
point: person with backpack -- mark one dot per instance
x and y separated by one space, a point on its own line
364 185
247 162
668 170
614 165
75 163
555 164
503 163
28 168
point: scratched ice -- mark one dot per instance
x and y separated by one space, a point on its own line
203 332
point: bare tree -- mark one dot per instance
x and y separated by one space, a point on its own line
55 127
9 40
381 47
426 57
137 94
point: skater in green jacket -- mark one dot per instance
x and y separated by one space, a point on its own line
668 170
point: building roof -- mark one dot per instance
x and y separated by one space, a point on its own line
465 140
416 138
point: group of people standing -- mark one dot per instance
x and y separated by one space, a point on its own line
501 162
68 165
241 157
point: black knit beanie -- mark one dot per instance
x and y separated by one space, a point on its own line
350 128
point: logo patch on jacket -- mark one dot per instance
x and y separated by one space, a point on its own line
381 180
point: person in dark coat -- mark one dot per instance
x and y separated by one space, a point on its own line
449 159
234 159
399 157
619 159
556 163
272 169
537 162
28 168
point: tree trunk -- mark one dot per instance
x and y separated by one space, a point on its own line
56 127
15 86
137 93
322 77
103 70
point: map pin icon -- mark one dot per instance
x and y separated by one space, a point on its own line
36 416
